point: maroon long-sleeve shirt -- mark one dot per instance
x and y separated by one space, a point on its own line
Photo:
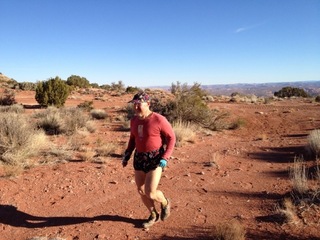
150 134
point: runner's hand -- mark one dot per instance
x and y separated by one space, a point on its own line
124 163
125 159
163 163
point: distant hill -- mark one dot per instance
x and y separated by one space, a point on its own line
262 89
4 78
259 89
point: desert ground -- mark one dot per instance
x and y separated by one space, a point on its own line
227 175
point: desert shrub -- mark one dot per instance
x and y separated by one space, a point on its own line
237 123
28 86
130 89
291 92
19 139
314 142
118 87
53 92
86 105
62 121
77 81
105 87
98 113
16 108
317 99
94 85
188 106
7 98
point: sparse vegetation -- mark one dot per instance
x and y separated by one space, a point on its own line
232 230
86 105
298 176
314 142
301 205
19 140
98 114
16 108
27 86
61 121
7 98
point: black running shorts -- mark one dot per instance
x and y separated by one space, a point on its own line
147 161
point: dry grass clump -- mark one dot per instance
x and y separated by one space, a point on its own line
184 132
302 203
78 141
238 123
298 176
62 120
232 230
98 114
16 108
7 98
314 142
288 211
87 156
19 140
106 150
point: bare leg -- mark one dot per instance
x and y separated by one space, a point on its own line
151 184
140 178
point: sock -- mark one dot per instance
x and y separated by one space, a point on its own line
164 204
154 213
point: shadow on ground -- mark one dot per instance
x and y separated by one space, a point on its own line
10 215
279 154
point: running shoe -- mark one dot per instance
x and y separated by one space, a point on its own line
165 211
151 220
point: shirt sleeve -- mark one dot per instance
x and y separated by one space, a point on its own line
131 143
170 137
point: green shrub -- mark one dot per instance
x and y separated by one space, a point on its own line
77 81
130 89
317 99
291 92
94 85
28 86
53 92
189 106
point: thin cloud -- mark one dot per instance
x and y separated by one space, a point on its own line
241 30
247 28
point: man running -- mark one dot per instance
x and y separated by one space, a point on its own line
152 139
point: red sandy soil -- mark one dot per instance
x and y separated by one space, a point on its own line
86 201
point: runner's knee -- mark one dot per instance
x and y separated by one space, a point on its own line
151 195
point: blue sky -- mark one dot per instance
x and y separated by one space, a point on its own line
159 42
